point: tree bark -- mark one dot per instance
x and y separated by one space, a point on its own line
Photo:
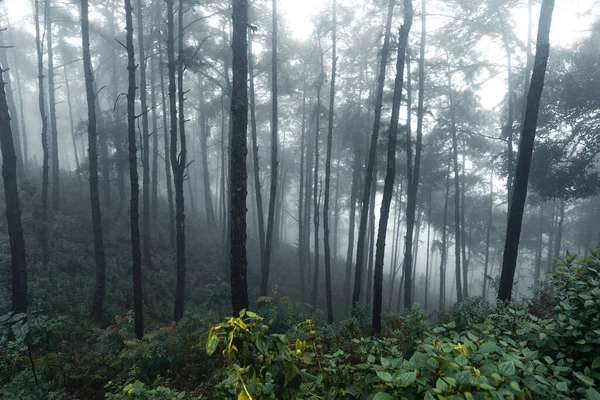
238 175
13 208
316 194
301 182
443 254
561 220
133 176
52 109
178 161
352 224
154 193
487 237
538 252
12 109
70 107
146 244
204 133
264 283
100 290
515 218
457 248
391 169
45 167
167 151
360 247
326 233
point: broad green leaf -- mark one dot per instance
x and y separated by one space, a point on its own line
562 387
592 394
507 368
596 363
441 385
384 376
212 342
407 378
382 396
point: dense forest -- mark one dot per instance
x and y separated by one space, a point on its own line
210 199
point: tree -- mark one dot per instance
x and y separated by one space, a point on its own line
13 208
238 175
100 290
146 250
362 228
515 217
390 175
413 176
134 179
255 157
264 283
42 107
328 172
52 109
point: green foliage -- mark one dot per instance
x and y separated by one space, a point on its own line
139 391
490 352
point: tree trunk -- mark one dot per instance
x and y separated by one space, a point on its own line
391 169
316 195
167 151
264 283
371 249
12 109
457 248
178 161
238 175
52 109
133 176
21 110
100 290
558 242
352 224
443 254
509 126
13 208
146 244
463 238
326 233
550 257
360 247
70 107
426 300
154 194
45 167
487 237
301 182
204 133
538 251
515 217
256 159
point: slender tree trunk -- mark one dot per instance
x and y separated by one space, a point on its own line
45 167
550 256
352 224
301 182
515 217
238 175
204 133
316 196
463 238
457 248
487 236
360 247
167 151
426 300
326 233
307 200
21 110
178 160
13 208
12 108
100 290
133 176
146 244
538 251
52 109
559 232
154 194
120 158
70 107
256 159
264 283
443 253
371 249
509 126
391 169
